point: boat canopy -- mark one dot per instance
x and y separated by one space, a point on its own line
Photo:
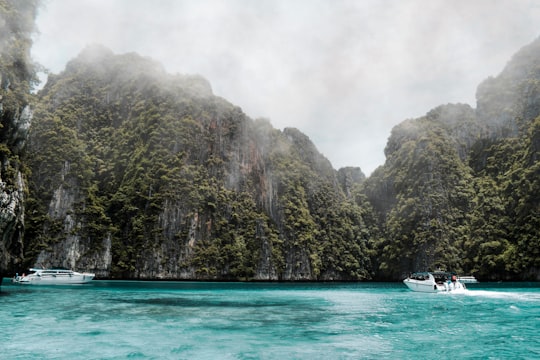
440 276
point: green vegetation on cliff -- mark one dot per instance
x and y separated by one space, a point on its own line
17 77
460 187
171 181
136 173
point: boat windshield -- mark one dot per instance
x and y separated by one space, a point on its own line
443 276
420 276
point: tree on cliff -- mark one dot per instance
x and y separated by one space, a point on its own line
459 189
17 76
136 173
150 175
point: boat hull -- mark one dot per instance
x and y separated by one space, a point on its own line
421 286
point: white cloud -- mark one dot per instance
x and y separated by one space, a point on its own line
342 71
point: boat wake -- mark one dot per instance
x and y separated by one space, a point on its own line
505 295
459 291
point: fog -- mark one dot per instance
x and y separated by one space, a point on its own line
343 72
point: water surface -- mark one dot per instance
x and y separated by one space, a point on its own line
189 320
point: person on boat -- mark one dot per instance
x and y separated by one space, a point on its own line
454 279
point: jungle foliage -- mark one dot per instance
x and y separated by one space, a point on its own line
17 78
161 179
182 181
460 187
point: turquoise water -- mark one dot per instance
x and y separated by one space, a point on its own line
187 320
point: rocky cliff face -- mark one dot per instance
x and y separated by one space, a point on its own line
453 186
136 173
16 76
12 188
141 174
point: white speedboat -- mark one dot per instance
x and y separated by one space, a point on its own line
434 282
53 277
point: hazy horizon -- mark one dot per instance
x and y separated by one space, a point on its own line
342 72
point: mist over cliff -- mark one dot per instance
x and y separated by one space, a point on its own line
460 186
137 173
121 168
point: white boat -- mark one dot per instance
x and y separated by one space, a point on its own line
434 282
53 277
467 279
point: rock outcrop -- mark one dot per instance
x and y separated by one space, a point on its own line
459 188
16 77
137 173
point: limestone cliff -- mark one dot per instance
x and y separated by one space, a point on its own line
137 173
459 188
16 77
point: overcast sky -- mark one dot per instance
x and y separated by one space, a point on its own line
343 72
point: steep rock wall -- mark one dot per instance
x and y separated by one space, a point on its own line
149 175
16 79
